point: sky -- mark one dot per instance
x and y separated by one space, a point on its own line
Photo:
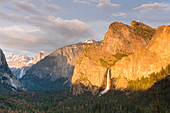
29 26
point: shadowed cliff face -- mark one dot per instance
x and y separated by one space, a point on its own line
7 79
3 63
47 74
145 61
120 40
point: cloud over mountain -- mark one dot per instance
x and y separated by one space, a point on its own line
119 14
81 1
51 32
18 38
103 4
28 7
52 8
154 6
106 3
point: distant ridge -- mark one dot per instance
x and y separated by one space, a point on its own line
19 64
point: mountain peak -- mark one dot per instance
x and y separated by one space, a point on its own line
43 52
126 38
40 56
116 26
89 41
139 24
136 23
18 61
19 64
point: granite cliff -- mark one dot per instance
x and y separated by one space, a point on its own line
41 55
120 41
7 79
55 71
151 59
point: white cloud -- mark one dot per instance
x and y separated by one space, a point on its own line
51 32
28 7
52 8
154 6
17 38
64 27
68 28
81 1
106 3
119 14
94 0
103 4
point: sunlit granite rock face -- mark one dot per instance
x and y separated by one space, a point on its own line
152 58
120 40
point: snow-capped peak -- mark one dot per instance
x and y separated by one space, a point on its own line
41 51
17 61
88 41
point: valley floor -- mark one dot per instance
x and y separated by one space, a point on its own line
154 100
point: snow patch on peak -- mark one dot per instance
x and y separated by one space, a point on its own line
42 51
89 41
30 62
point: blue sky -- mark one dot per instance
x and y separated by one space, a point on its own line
29 26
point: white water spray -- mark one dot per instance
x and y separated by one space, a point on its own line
108 83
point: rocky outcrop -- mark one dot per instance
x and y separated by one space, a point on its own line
7 79
152 58
41 55
56 68
124 38
120 40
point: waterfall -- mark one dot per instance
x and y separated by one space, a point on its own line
108 83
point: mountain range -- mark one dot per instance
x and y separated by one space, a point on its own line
19 64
